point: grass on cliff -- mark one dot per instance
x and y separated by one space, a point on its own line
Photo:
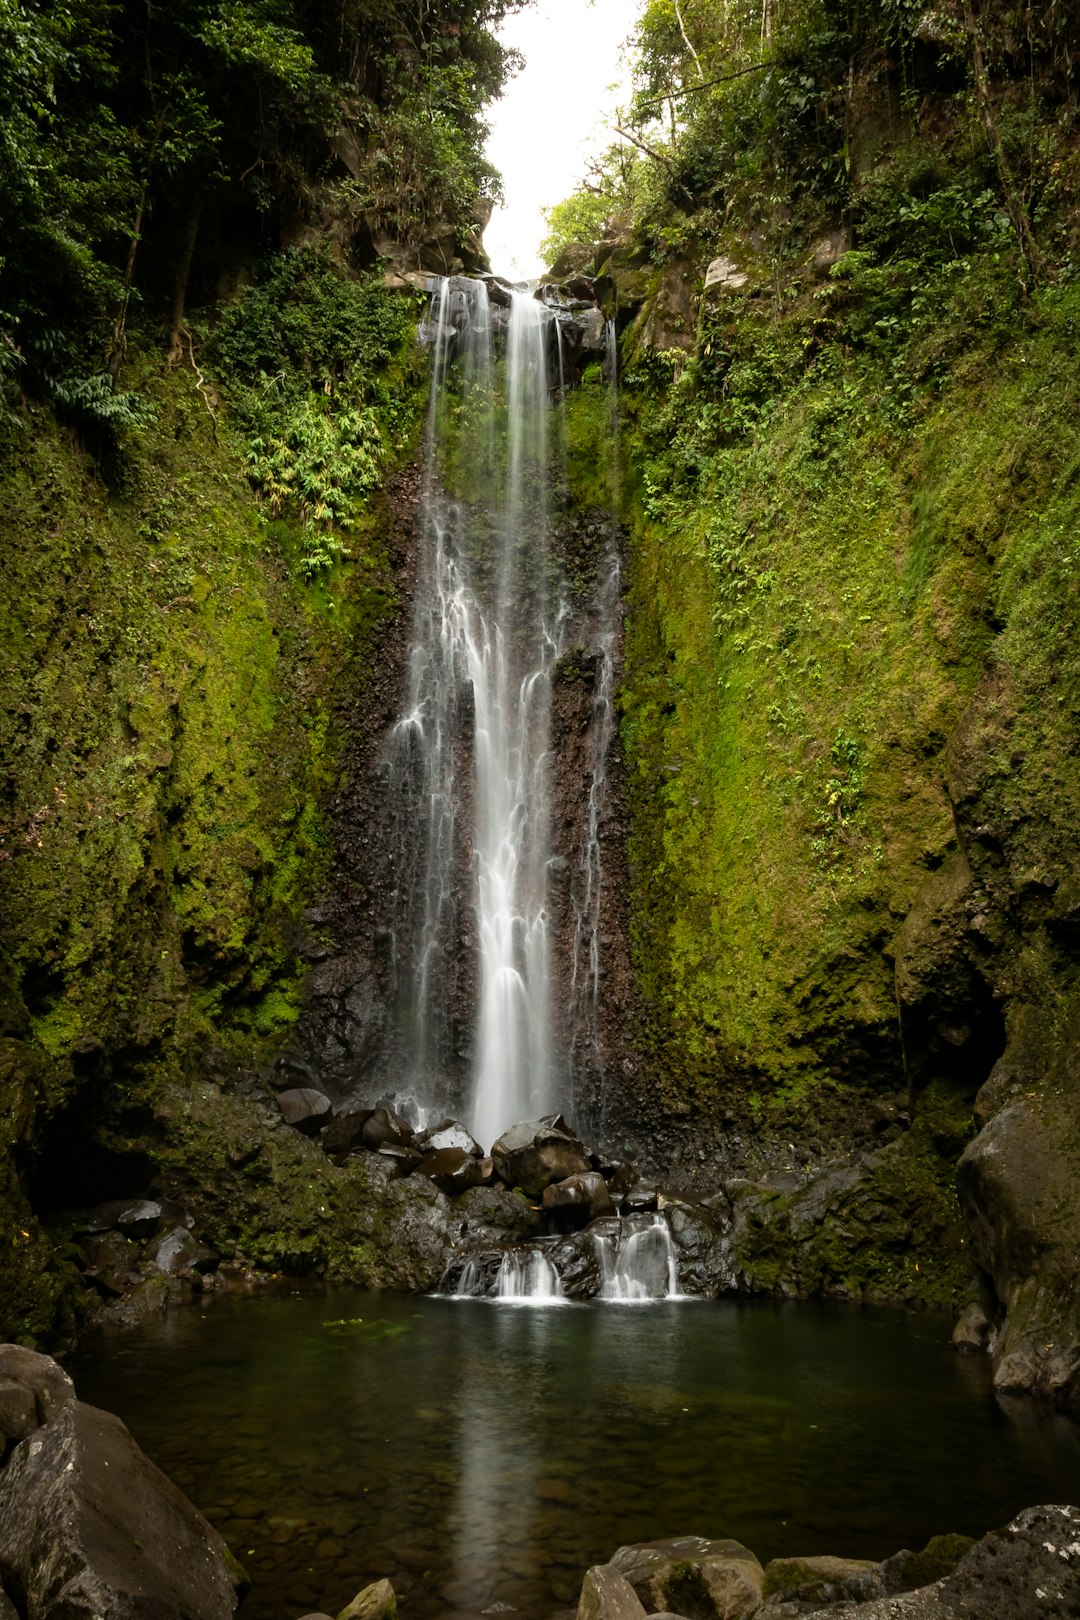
832 528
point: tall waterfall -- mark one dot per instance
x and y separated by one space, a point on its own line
469 768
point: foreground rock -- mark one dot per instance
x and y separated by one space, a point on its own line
1030 1568
89 1528
539 1152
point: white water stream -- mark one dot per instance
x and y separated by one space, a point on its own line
473 809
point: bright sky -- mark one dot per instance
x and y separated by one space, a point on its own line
553 115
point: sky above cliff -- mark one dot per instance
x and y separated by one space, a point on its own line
554 113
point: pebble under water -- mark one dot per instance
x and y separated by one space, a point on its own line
479 1452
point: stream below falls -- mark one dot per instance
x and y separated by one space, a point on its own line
481 1452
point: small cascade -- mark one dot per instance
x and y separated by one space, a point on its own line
638 1261
528 1276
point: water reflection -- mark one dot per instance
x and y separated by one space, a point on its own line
478 1452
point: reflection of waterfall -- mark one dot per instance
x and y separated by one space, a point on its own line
638 1260
472 810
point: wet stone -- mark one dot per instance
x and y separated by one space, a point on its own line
305 1109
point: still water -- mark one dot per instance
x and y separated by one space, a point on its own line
479 1452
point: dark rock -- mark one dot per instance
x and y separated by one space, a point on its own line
448 1135
494 1211
577 1260
385 1128
905 1571
50 1385
576 259
702 1239
344 1131
693 1576
1030 1568
90 1528
18 1411
606 1594
454 1170
305 1109
112 1261
138 1217
621 1178
640 1199
177 1251
821 1580
573 1203
537 1152
973 1329
403 1158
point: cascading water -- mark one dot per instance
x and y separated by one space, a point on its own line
524 1275
486 632
638 1262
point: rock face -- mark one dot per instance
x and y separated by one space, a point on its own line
91 1530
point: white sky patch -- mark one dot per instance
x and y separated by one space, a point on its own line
553 115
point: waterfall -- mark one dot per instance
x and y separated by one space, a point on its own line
638 1261
524 1275
468 769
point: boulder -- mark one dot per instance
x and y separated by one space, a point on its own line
640 1199
822 1579
576 259
453 1170
538 1152
90 1528
1030 1568
693 1576
49 1384
621 1177
404 1159
111 1261
376 1602
973 1329
344 1131
138 1217
607 1595
305 1109
385 1128
571 1204
179 1250
447 1135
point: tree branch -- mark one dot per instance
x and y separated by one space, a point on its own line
706 84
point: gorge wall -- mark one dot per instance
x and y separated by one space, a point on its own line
839 965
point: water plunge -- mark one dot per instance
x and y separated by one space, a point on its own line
470 766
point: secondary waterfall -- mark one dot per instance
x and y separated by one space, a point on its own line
639 1262
472 799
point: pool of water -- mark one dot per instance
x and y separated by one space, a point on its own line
478 1452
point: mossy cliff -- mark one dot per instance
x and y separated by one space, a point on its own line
848 315
177 668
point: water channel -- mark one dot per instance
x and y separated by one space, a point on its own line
481 1452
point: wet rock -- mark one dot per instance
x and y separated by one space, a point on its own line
702 1239
640 1199
454 1170
906 1570
111 1261
305 1109
536 1153
494 1211
606 1594
448 1135
178 1250
49 1384
138 1217
1031 1567
404 1159
693 1576
385 1128
621 1177
344 1131
375 1602
89 1527
571 1204
821 1580
577 1260
972 1330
